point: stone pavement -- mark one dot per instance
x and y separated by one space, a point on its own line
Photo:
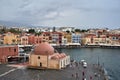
73 72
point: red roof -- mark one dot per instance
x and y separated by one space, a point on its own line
44 49
58 56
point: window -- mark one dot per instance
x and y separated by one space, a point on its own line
9 49
14 50
38 57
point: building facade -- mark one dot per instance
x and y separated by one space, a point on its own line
45 56
9 38
24 40
76 38
32 39
114 39
52 37
68 37
7 51
88 38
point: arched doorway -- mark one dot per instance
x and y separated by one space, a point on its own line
40 64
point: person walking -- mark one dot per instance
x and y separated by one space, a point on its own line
77 76
90 77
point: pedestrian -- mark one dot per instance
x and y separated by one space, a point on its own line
72 75
76 64
82 78
83 73
90 77
79 62
77 77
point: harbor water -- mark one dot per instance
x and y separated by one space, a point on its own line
108 58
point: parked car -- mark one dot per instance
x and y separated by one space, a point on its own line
84 79
84 63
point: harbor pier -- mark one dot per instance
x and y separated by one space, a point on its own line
75 71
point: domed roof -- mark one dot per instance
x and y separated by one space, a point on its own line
44 49
58 56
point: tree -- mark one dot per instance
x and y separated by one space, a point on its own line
12 30
39 33
31 31
4 30
83 30
68 31
77 30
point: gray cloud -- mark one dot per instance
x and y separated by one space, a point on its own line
56 12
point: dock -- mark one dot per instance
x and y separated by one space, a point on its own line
75 71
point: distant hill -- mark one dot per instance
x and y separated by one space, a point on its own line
15 24
11 24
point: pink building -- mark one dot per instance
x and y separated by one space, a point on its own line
7 51
115 38
32 39
54 37
44 56
91 36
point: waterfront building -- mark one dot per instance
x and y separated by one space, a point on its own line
100 40
68 36
114 39
56 37
88 38
45 56
76 38
52 37
32 39
7 51
47 37
115 31
64 40
98 31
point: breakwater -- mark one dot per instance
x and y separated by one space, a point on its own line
87 46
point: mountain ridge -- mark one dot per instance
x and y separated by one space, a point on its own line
12 24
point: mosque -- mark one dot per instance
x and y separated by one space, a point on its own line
44 56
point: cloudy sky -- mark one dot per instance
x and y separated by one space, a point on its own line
76 13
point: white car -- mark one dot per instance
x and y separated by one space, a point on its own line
84 64
82 61
84 79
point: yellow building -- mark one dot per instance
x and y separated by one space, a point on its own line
86 41
18 39
45 56
68 36
9 38
24 40
99 40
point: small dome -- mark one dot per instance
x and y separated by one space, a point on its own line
44 49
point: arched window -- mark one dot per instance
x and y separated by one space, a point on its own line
38 57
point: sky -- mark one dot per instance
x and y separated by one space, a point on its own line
62 13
